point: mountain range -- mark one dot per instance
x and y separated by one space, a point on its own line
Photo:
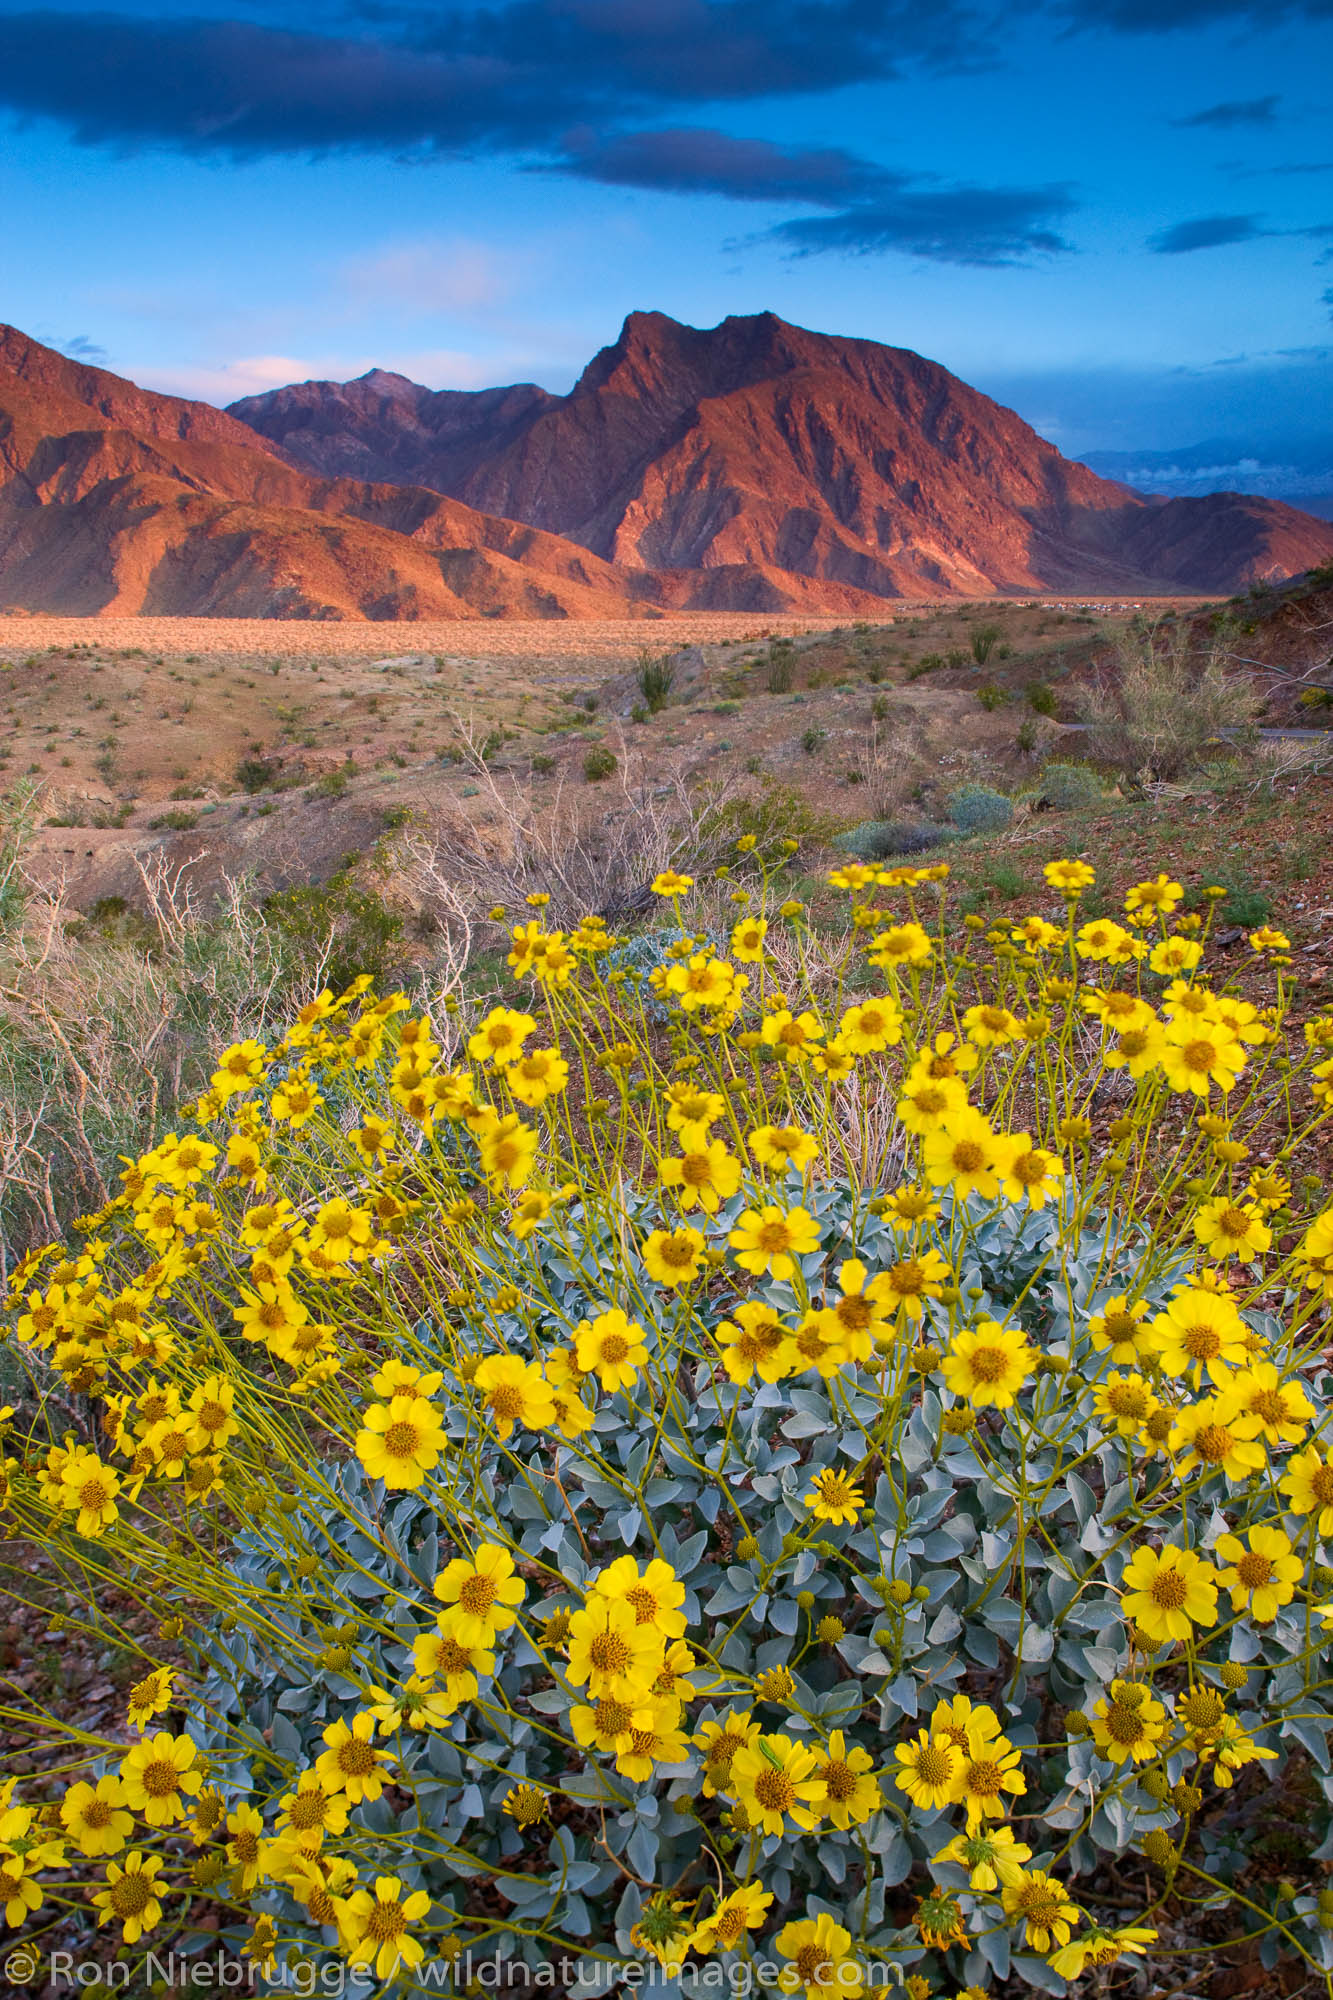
754 467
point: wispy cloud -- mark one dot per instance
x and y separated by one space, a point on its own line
1240 111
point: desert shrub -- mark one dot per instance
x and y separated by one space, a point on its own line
984 641
991 697
257 774
979 809
1041 698
877 839
336 924
1165 708
781 670
656 676
896 1544
1070 787
333 783
543 763
599 763
812 739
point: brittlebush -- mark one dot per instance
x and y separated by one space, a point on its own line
700 1465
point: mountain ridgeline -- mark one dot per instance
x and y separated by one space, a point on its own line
752 467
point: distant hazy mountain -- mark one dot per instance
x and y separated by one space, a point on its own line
1297 470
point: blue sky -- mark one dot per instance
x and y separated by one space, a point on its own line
1115 214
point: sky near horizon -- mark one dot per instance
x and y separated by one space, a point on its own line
1115 215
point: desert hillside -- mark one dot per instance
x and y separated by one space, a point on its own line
761 446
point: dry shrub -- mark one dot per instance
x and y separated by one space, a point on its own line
1166 705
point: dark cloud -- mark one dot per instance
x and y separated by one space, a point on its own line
1207 232
1244 111
448 80
1161 17
967 225
696 160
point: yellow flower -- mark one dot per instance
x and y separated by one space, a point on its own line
770 1239
719 1742
400 1442
753 1342
1129 1723
88 1490
151 1696
94 1816
1200 1333
1308 1485
655 1596
669 883
726 1924
159 1774
777 1782
482 1595
820 1962
871 1026
989 1026
1106 942
1138 1048
1257 1403
308 1813
1233 1749
508 1149
783 1147
514 1391
1204 1441
1168 1592
747 940
654 1737
611 1652
963 1154
501 1037
376 1926
993 1858
245 1849
534 1077
988 1364
835 1497
848 1776
673 1256
612 1347
902 944
906 1285
1160 895
989 1770
1124 1403
1263 1577
351 1763
1099 1946
1119 1329
1069 876
930 1770
132 1895
835 1062
1229 1229
1267 939
706 1176
1044 1906
702 982
792 1036
1197 1053
1026 1170
238 1068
